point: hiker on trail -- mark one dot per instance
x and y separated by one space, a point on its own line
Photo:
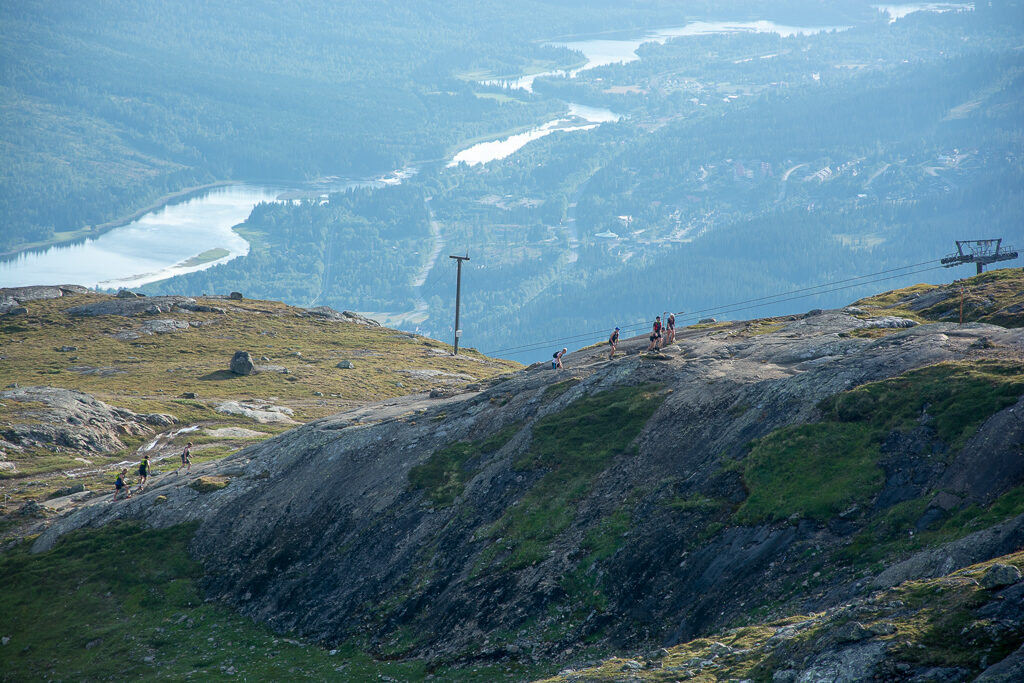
186 459
556 364
122 484
613 341
670 328
655 334
143 472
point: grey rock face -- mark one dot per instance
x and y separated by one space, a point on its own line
1000 575
260 412
846 665
241 363
981 545
346 365
320 523
164 326
133 306
72 420
1009 670
32 293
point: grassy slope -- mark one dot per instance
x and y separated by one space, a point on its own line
995 297
149 374
122 603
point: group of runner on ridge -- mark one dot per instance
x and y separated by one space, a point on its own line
661 334
121 485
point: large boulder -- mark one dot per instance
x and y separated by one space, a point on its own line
241 363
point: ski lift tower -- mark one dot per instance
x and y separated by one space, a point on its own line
980 252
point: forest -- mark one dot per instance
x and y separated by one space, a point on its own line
109 106
744 164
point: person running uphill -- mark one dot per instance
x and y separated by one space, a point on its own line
556 364
143 473
122 484
186 459
655 334
613 341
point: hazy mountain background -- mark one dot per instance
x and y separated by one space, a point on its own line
744 164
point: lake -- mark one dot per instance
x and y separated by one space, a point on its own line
164 242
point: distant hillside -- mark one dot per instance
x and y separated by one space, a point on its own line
800 465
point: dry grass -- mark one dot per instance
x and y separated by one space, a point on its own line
151 373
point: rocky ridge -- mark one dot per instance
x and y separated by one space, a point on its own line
447 528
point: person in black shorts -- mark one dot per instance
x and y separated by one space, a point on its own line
556 364
613 341
655 334
143 472
122 484
186 459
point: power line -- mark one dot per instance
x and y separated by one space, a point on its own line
781 297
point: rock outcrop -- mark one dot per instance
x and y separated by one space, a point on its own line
132 306
60 419
485 521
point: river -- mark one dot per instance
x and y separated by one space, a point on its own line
580 117
605 51
601 52
165 242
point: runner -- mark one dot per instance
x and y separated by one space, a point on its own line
122 484
670 328
613 341
556 364
655 334
186 459
143 473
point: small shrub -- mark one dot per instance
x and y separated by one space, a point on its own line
208 484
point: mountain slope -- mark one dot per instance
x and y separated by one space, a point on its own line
753 469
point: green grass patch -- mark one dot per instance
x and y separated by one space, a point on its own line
817 470
992 297
814 470
583 585
104 600
205 257
445 473
210 484
893 534
957 397
571 448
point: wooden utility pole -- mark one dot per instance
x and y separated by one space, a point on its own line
458 294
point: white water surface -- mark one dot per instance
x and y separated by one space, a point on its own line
604 51
580 117
897 12
157 245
